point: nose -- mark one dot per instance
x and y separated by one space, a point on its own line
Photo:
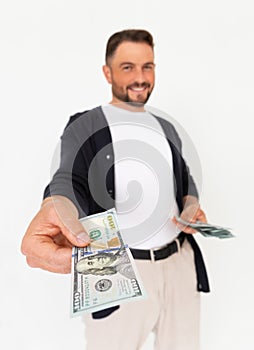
139 76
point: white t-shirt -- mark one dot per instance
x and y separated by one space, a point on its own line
144 178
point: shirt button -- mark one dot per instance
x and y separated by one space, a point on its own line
110 191
108 156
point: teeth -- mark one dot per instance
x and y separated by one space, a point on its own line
138 89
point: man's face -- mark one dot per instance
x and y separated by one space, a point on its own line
131 73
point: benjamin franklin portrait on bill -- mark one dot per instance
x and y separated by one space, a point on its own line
102 264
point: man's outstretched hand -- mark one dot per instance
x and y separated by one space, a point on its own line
48 241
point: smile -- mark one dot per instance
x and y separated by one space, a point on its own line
136 89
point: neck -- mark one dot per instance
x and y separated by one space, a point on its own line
133 107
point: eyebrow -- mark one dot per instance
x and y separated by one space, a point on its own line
124 63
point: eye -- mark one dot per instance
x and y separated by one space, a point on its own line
127 68
148 67
90 263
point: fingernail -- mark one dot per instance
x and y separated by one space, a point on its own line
83 237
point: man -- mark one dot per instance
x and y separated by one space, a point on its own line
93 177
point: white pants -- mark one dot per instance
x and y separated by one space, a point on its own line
171 311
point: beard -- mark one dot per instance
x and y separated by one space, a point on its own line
122 94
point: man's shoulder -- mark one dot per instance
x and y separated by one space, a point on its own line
169 129
86 116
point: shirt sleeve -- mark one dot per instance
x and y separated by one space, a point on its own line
71 177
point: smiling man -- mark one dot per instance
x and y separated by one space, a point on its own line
122 156
130 71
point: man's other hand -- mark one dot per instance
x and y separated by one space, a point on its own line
191 213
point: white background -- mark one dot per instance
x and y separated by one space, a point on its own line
51 58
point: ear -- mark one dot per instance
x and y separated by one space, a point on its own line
107 72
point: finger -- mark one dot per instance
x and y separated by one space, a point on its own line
49 256
201 216
75 232
188 229
64 214
183 228
37 263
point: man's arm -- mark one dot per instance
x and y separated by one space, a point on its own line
51 234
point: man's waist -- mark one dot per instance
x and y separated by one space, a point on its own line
159 253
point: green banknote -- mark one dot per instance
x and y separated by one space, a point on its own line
103 273
208 230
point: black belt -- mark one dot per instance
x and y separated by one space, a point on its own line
157 254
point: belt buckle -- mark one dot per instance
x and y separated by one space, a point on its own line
152 255
178 245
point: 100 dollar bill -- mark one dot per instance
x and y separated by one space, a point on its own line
103 273
207 230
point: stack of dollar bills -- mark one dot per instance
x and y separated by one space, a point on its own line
103 273
207 230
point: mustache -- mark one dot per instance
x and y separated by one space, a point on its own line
138 85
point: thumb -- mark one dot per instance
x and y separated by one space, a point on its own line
68 221
75 232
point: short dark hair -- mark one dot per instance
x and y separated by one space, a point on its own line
134 35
